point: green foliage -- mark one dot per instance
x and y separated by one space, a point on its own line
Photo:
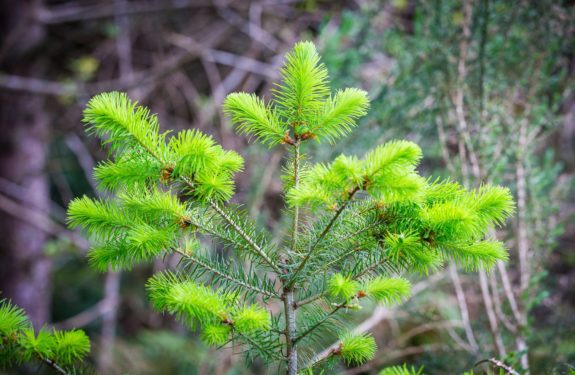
304 84
190 302
401 370
13 319
41 344
301 104
199 153
340 286
210 167
407 246
69 346
126 126
387 172
195 304
122 237
133 135
251 319
361 220
216 334
340 113
412 75
387 290
100 218
253 117
493 205
21 343
131 170
357 348
479 254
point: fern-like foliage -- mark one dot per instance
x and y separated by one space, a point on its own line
20 343
359 222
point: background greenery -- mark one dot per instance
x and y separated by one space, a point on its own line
484 86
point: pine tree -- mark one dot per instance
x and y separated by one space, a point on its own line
20 343
357 223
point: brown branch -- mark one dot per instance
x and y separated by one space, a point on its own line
249 28
522 237
499 364
418 330
498 305
465 145
83 156
492 318
39 220
72 13
85 317
19 194
47 87
140 78
55 366
461 301
507 288
240 62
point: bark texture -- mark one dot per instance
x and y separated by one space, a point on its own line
24 269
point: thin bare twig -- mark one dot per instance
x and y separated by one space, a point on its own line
40 220
55 366
522 238
246 26
85 317
461 301
498 305
499 364
47 87
465 145
507 288
493 325
72 13
83 156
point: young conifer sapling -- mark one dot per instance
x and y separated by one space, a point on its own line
356 225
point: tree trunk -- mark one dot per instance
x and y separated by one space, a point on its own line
24 269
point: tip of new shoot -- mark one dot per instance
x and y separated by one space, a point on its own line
340 286
356 349
388 290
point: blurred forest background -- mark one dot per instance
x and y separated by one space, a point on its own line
486 87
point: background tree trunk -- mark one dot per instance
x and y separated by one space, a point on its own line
24 269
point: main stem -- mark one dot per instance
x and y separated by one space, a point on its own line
296 207
291 328
320 237
290 332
